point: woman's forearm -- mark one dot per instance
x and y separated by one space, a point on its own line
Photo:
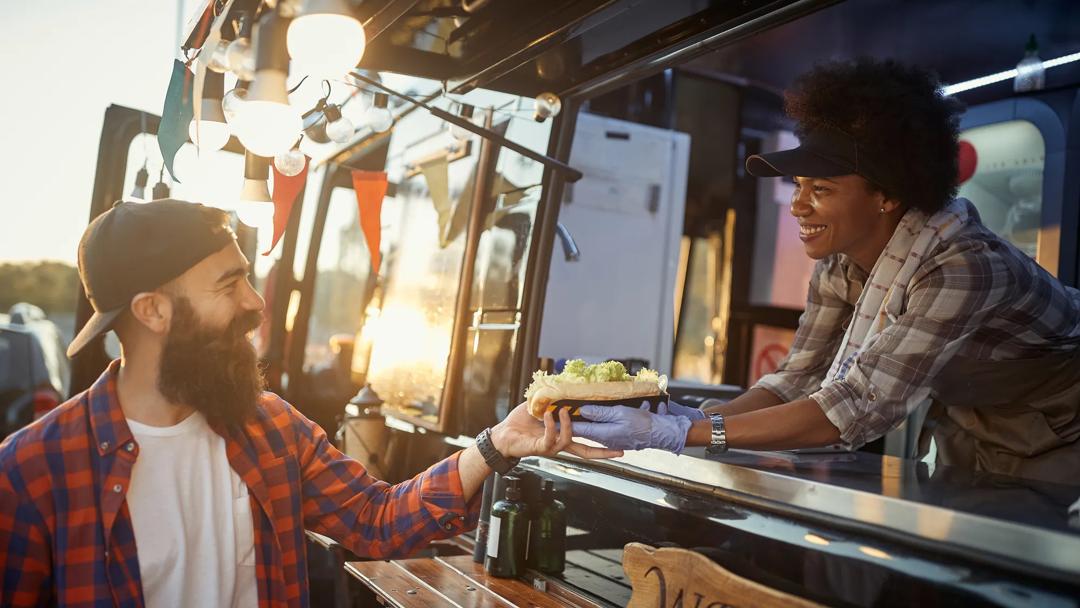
799 424
750 401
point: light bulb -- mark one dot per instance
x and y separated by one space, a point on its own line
340 130
266 124
379 119
231 102
211 134
219 61
460 133
547 105
290 163
326 40
241 58
257 214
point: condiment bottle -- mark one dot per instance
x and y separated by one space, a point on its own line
508 533
549 532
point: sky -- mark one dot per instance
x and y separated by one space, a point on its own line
65 61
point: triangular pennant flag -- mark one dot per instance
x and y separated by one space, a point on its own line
286 188
370 187
437 173
176 115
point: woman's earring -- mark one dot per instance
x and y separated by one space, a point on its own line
883 209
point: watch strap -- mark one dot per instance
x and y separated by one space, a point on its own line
494 459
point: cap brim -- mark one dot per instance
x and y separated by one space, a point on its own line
795 162
98 324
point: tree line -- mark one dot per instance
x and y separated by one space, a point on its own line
54 286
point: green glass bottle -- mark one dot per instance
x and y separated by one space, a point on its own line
508 533
549 532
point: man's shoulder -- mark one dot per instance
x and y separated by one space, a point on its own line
61 431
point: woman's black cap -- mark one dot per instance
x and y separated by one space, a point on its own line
138 247
821 154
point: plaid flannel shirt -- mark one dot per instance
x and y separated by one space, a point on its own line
976 296
66 534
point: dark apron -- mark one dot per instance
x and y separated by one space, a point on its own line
1019 417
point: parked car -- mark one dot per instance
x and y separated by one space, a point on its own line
34 370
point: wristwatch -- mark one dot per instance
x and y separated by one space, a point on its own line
498 463
718 438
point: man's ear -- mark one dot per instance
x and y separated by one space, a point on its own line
153 310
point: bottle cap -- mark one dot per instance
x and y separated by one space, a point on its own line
513 492
547 492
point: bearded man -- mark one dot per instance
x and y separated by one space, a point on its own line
175 480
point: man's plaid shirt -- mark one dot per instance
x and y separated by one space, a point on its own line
976 296
65 531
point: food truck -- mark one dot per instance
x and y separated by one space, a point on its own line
600 210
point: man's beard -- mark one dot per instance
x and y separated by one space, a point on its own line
214 371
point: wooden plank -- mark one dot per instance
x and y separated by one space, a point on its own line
510 590
610 591
452 583
397 586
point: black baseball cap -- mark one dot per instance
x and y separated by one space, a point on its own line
138 247
823 153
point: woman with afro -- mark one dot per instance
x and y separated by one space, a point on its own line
913 301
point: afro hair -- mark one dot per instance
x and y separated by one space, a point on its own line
896 112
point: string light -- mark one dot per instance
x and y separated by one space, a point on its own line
326 39
142 177
338 128
378 117
219 62
547 105
161 189
265 123
457 132
256 207
211 132
239 55
290 163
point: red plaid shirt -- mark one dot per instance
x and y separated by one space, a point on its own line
66 534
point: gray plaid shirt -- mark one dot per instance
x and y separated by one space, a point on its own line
975 297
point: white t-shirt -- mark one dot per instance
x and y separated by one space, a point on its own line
192 519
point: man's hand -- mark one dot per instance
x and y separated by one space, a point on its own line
522 435
628 428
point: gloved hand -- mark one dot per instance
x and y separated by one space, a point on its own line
627 428
676 409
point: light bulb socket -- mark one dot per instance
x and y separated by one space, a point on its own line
213 86
382 100
332 112
161 190
142 177
256 167
255 191
269 41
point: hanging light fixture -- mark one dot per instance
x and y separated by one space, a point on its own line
161 189
240 57
326 39
211 132
219 61
231 102
290 163
457 132
142 177
265 123
547 105
256 207
378 117
338 128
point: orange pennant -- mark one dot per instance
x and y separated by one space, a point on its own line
284 195
370 187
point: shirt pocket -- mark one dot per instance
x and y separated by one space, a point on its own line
244 526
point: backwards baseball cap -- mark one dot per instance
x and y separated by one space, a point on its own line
138 247
824 153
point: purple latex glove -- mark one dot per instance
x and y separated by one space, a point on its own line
627 428
677 409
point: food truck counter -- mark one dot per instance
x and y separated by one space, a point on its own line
840 529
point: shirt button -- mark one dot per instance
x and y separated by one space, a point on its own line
118 488
872 397
104 445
